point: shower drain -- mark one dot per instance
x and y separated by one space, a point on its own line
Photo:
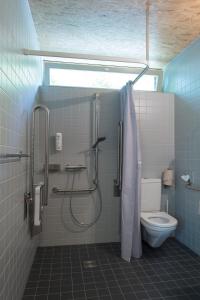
88 264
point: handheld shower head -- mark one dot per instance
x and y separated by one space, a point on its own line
99 140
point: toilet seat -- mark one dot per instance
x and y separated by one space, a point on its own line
158 220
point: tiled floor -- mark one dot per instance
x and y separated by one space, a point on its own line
170 272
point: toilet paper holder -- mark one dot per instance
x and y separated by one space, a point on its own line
168 177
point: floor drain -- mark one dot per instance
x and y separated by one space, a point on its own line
87 264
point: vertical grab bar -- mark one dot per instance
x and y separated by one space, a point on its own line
120 155
96 136
46 164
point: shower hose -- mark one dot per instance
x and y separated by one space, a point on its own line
74 218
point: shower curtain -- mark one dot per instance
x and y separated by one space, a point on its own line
131 178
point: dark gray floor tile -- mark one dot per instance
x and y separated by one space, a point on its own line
171 272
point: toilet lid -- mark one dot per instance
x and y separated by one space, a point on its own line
158 219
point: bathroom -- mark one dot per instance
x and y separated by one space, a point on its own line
99 150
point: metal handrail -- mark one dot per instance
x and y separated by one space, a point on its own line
13 155
4 158
46 164
55 190
96 136
192 187
118 181
120 162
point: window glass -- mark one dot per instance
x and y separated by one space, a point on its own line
99 79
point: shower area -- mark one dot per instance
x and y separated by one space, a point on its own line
83 207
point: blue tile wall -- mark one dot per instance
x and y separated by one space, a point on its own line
182 77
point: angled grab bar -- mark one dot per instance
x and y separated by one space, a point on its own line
46 164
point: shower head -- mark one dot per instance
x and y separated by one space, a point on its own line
99 140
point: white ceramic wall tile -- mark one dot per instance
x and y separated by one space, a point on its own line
155 116
19 80
71 115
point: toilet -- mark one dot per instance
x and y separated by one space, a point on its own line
157 226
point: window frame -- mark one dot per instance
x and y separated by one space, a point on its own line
100 68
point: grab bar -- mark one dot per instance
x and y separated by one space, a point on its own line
72 168
96 137
17 155
192 187
46 164
119 156
55 190
4 158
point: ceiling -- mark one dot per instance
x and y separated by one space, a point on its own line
117 27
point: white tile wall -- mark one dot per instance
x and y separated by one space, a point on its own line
155 115
70 114
19 80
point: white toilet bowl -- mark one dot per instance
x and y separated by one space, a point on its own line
157 227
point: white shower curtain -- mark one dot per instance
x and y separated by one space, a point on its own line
131 178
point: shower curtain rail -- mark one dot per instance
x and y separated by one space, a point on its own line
140 75
99 58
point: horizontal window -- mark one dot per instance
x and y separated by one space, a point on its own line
93 79
98 77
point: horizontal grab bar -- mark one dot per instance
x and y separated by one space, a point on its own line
190 186
55 190
4 161
75 167
14 155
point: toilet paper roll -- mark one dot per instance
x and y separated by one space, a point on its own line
168 177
